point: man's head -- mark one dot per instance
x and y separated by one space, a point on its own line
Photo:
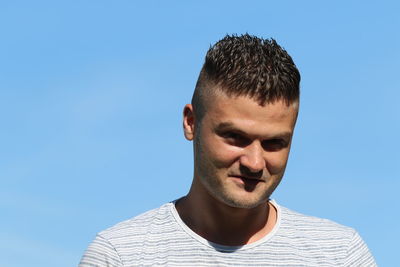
241 120
247 66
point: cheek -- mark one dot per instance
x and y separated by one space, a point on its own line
276 162
222 154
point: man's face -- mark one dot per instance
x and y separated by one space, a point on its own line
240 148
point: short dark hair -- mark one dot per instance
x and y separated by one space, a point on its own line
246 65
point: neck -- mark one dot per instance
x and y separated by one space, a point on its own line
225 225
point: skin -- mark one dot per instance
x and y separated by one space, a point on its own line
241 150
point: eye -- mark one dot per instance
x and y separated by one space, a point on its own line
274 144
235 139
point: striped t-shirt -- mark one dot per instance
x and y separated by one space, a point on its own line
160 238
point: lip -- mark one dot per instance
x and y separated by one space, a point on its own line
246 180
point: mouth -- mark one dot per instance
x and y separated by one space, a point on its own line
246 181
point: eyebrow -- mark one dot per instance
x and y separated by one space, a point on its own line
229 126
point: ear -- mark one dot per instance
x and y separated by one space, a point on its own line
188 122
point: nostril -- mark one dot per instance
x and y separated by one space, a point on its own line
253 164
245 171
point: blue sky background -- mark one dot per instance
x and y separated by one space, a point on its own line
91 96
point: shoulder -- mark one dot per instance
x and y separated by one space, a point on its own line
296 220
318 230
140 224
323 237
126 239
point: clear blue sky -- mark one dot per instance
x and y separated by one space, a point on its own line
91 96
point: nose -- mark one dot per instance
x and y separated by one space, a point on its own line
253 158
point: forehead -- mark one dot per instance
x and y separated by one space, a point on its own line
248 115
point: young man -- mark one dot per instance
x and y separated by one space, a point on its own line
241 122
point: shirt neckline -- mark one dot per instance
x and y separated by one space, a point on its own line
224 248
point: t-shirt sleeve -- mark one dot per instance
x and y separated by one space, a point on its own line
358 253
100 253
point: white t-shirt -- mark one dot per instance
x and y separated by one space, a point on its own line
160 238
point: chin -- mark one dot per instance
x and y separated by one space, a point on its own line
243 202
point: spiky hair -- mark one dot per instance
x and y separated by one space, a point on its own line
250 66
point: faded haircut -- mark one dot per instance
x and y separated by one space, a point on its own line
249 66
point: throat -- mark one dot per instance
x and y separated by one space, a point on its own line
226 225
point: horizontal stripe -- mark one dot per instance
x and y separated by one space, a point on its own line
160 238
